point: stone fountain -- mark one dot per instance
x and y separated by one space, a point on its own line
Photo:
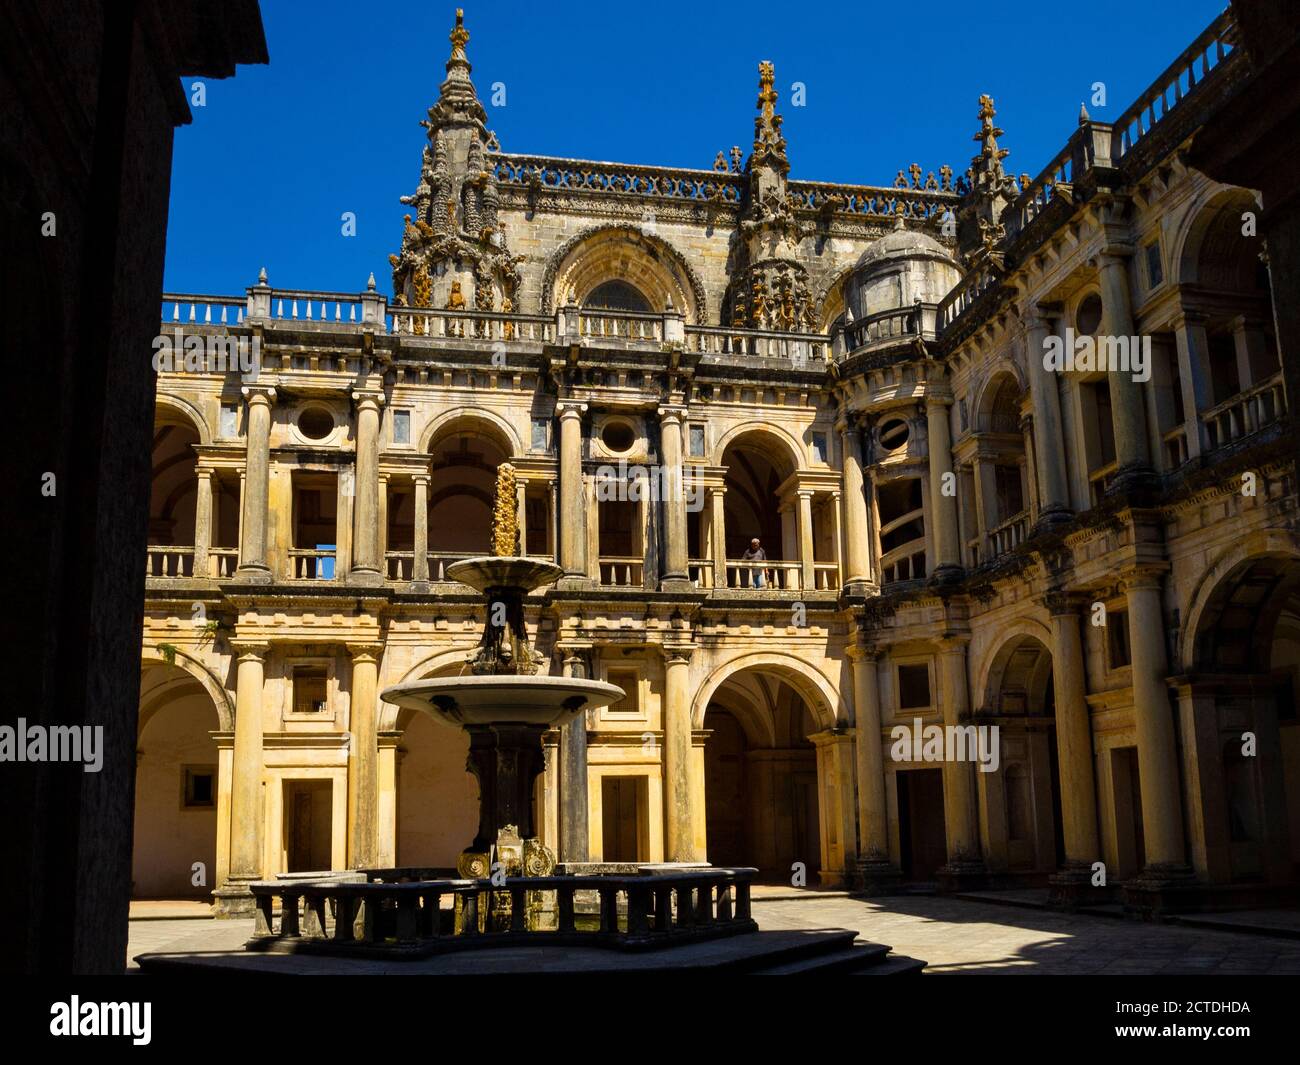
504 703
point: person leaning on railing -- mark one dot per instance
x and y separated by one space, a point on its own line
754 554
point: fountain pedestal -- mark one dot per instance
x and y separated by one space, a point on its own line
506 760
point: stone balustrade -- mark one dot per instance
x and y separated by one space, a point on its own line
400 912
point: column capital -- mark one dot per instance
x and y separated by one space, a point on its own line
1114 253
951 643
363 652
672 412
258 394
247 650
364 397
864 653
570 408
1142 578
1061 603
676 653
420 478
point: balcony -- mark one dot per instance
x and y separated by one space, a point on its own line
312 563
1246 413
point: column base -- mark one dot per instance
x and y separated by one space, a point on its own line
860 587
574 582
365 578
962 874
233 898
253 575
1053 518
947 574
1136 479
876 877
1161 889
1071 887
676 583
419 587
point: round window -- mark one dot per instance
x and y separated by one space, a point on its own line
618 436
1088 319
893 434
315 423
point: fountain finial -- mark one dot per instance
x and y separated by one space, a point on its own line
505 514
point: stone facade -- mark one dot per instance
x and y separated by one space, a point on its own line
677 362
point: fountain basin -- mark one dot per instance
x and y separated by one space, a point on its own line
491 572
540 701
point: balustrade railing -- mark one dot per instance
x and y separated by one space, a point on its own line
622 572
203 310
166 561
701 572
919 320
1197 65
222 562
312 563
1008 534
1175 444
388 914
775 576
903 563
471 325
826 576
797 349
1245 413
619 325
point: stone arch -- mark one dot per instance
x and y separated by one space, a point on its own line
1018 637
1003 372
185 412
830 300
188 663
1206 598
784 442
814 687
429 665
1207 209
474 419
628 253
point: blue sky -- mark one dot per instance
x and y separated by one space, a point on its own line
279 152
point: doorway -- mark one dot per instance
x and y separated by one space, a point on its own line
922 836
308 824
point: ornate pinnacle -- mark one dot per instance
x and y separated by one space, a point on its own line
505 513
769 144
459 38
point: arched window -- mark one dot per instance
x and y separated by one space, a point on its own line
617 296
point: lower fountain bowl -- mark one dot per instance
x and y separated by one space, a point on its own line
492 700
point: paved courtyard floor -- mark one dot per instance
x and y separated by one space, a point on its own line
953 935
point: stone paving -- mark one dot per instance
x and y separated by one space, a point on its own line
952 935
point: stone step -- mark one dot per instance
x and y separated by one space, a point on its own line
857 955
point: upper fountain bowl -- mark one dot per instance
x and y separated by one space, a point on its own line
501 571
536 700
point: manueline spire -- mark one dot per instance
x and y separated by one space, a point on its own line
457 100
769 143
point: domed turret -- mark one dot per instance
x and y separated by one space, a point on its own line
900 268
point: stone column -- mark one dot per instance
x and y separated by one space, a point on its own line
1049 440
1073 751
573 497
961 811
943 507
1162 821
233 898
679 789
574 823
202 521
986 496
256 488
366 567
1128 407
363 759
806 550
1194 378
420 564
718 531
676 571
858 578
876 874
